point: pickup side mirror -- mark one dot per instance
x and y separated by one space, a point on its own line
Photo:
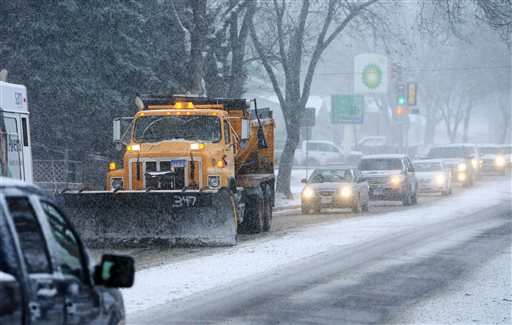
361 180
115 271
303 181
410 169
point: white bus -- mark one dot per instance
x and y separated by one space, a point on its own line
15 153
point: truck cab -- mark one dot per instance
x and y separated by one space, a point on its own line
15 146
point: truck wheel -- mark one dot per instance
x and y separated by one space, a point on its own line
356 208
253 216
414 199
365 206
406 199
267 210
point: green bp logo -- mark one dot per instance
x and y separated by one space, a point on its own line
372 76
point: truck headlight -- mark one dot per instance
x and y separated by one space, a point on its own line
116 183
396 180
440 179
196 146
346 192
308 193
500 161
213 181
462 167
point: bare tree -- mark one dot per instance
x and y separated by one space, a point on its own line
215 45
290 33
443 15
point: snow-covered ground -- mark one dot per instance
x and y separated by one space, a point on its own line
174 281
483 295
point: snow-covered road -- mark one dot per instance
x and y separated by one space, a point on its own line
175 281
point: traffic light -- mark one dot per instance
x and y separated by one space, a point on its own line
400 114
411 94
400 95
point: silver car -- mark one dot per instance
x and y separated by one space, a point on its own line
433 176
335 187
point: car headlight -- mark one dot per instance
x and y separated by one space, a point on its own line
396 180
346 192
474 163
116 183
499 161
213 181
308 193
440 179
462 167
461 177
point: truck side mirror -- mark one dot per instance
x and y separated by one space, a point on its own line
246 129
117 130
115 271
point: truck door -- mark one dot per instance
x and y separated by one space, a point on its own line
45 290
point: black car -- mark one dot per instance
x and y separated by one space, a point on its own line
46 274
391 178
335 187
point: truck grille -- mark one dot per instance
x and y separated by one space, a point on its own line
155 179
377 180
326 193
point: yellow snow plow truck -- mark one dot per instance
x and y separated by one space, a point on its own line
195 170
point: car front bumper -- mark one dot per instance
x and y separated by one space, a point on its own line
333 201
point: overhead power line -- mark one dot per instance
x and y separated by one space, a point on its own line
446 69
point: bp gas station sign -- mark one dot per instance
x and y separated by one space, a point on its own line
370 74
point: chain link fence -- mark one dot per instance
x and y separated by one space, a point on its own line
57 175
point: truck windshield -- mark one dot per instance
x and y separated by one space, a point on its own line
490 150
380 164
162 128
427 167
447 152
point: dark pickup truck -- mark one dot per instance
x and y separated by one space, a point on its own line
46 274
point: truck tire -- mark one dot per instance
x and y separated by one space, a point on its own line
414 198
254 211
267 208
357 208
407 198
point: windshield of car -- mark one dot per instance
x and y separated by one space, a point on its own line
447 152
380 164
162 128
329 176
427 166
490 150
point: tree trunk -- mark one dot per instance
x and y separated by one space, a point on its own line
286 160
198 34
467 118
430 130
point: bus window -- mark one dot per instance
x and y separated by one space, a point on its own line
10 148
25 131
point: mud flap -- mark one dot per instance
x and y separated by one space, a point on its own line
156 218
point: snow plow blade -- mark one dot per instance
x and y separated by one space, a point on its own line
155 218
